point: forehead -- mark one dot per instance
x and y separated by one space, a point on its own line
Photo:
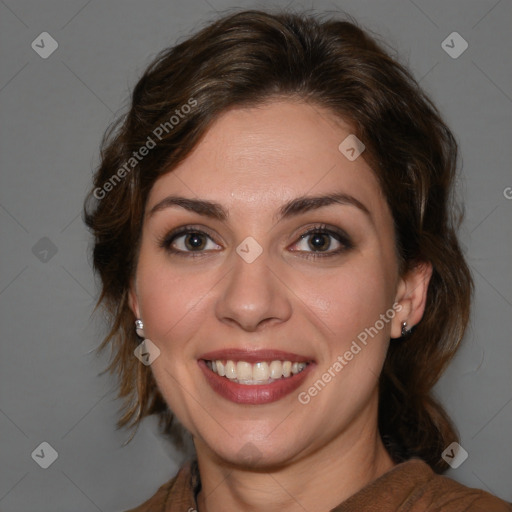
260 157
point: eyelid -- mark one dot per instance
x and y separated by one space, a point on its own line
340 235
166 240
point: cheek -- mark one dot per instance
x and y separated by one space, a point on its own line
350 299
172 305
353 342
171 299
355 306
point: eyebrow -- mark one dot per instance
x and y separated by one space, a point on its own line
292 208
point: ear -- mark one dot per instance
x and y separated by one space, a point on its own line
133 301
412 296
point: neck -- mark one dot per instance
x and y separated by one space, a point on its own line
319 481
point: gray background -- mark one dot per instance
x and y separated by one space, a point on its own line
53 114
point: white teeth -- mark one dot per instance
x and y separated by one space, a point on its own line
230 370
243 370
276 369
258 373
221 370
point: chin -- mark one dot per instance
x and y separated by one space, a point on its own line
250 452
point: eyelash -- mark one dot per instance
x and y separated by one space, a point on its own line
346 244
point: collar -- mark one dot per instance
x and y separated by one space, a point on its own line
405 480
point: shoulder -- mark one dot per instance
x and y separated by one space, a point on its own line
430 491
412 486
443 493
158 500
176 494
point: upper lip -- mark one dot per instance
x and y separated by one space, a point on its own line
254 356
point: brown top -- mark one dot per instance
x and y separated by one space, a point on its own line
410 486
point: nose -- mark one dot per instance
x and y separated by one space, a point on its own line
253 296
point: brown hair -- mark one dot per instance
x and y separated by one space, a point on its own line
245 59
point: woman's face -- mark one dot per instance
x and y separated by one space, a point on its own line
264 277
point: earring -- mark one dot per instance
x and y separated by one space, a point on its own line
405 330
139 328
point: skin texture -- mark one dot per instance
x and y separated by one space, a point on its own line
252 161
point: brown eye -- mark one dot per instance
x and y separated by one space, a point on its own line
321 241
188 240
195 241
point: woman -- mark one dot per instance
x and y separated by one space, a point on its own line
274 235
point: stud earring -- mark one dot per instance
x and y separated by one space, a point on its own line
405 330
139 328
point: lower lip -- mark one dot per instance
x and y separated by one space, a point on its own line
253 394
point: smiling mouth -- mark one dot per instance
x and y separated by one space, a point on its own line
259 373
